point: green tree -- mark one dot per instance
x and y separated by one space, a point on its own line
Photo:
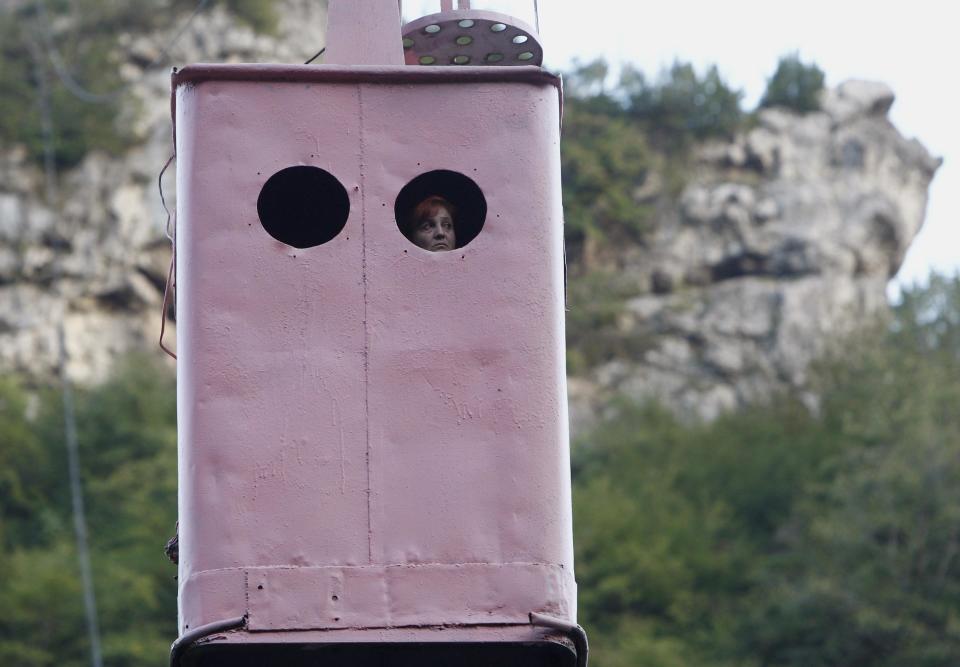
605 159
780 536
670 521
127 438
882 526
794 85
56 42
682 106
22 457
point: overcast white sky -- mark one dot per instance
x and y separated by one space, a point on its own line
912 46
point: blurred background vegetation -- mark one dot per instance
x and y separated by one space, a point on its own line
83 36
783 535
778 535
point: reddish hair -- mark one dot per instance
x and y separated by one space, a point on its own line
427 208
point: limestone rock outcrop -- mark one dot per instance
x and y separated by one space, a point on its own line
782 239
95 259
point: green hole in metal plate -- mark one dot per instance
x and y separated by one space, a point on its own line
526 55
461 60
466 23
431 29
463 40
498 27
519 39
407 42
427 60
494 57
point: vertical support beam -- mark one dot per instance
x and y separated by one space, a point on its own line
464 4
446 5
364 32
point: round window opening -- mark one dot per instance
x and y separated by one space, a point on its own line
303 206
440 210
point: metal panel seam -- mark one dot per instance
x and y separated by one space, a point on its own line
366 324
412 566
201 72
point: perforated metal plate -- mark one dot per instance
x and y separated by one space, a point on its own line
470 37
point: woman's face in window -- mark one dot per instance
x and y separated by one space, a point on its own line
435 232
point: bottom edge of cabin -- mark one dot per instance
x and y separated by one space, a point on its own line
391 654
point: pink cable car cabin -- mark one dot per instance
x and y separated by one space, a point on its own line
374 457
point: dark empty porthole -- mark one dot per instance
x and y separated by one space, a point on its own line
303 206
425 196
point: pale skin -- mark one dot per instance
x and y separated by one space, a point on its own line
435 233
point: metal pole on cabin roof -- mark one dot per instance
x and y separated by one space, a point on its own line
364 32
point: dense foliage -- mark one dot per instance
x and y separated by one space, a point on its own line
29 87
777 536
127 438
783 537
794 85
64 47
605 159
682 106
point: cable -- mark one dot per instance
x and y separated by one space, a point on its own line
69 415
163 200
46 121
77 89
317 55
169 288
79 517
188 639
574 631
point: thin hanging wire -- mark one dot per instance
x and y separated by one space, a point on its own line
74 86
169 288
46 119
536 14
316 55
163 200
48 130
79 515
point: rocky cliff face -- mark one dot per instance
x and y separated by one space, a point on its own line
783 238
95 259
